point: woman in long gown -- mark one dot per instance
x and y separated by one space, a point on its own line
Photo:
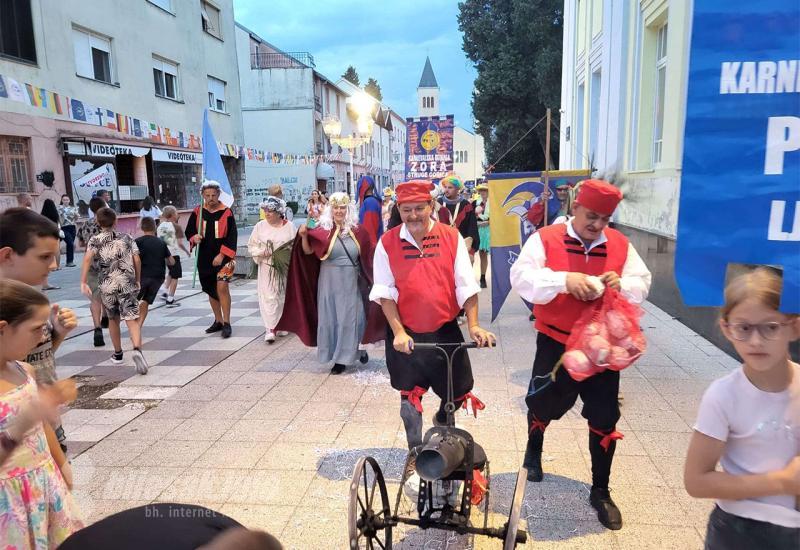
268 236
325 305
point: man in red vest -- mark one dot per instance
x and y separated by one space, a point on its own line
422 278
552 272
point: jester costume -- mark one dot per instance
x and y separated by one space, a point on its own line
219 236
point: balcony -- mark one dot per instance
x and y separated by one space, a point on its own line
287 60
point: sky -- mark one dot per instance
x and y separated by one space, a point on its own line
383 39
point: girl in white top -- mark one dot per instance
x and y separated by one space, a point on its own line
150 209
749 422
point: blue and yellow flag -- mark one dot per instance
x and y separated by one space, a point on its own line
511 195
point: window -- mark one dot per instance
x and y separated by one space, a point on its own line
216 94
211 19
594 116
16 30
92 55
15 165
661 77
432 105
466 156
163 4
165 78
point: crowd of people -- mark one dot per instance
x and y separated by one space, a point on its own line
353 275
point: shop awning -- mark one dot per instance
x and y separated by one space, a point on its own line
325 171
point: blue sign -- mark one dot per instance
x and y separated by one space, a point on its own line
740 190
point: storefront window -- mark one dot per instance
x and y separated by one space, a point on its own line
177 184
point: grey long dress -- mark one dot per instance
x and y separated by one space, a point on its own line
340 309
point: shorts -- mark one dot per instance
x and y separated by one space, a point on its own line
209 280
148 290
428 369
93 282
120 306
175 271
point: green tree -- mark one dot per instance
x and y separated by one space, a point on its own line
351 75
374 89
516 48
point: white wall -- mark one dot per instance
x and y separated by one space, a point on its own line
138 29
428 111
464 140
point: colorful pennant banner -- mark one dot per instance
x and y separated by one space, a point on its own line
81 111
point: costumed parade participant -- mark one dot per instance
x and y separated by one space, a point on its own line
482 211
370 211
270 246
552 272
458 211
212 229
386 208
423 277
327 290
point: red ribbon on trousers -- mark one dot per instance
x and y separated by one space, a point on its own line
613 435
538 425
415 397
469 398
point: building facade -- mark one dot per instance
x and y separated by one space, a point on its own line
469 154
88 103
623 111
284 100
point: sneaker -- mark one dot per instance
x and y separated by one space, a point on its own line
282 333
607 512
269 337
338 368
139 361
98 338
216 327
226 330
172 303
164 296
116 357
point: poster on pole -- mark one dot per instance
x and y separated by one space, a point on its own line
429 147
740 187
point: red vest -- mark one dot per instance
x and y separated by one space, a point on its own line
425 281
564 253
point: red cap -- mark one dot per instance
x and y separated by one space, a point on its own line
413 191
599 196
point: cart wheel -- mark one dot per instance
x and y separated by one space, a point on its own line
516 510
368 521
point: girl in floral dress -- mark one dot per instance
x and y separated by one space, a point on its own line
37 511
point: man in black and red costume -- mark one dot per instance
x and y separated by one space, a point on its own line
552 272
422 278
214 233
458 212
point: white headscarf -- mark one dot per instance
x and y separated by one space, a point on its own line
274 204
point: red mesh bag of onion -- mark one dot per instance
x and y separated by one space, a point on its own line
606 336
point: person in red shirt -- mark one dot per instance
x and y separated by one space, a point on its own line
552 272
424 258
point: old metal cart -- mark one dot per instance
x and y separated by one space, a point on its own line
449 459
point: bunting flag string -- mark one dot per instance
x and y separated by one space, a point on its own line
80 111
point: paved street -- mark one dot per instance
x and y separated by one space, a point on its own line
267 436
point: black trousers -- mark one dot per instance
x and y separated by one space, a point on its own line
600 406
598 393
730 532
69 240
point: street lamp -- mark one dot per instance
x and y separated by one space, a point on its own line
332 126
